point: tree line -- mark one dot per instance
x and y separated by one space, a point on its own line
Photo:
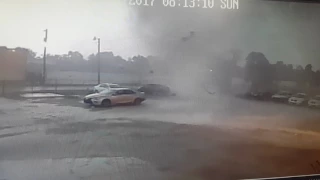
74 61
260 72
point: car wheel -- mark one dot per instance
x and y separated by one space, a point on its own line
106 103
137 101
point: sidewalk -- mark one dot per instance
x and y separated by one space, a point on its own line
53 88
66 89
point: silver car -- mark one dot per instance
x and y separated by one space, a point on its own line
115 96
298 99
282 96
101 87
314 102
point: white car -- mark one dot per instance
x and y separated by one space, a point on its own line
282 96
115 96
104 86
298 99
314 102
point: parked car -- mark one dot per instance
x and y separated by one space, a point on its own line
156 89
104 86
314 102
115 96
259 95
298 99
282 96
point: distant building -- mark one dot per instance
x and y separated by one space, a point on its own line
13 63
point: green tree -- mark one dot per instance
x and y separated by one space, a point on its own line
308 67
309 75
259 72
75 55
91 57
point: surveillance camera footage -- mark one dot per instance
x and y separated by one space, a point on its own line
159 89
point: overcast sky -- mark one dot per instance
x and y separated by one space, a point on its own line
72 24
282 31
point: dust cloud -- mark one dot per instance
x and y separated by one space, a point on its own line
185 40
192 40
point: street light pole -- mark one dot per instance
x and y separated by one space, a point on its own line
44 58
98 58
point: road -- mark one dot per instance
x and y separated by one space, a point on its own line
203 137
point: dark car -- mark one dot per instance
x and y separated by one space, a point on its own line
156 89
259 95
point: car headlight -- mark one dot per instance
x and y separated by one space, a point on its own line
95 99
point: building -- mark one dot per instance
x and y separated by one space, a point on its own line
13 64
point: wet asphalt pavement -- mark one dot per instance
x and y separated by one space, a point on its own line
210 137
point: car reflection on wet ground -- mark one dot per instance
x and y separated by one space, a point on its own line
214 137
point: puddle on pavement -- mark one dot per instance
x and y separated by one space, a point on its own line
2 112
43 120
82 127
41 95
114 120
5 127
12 134
98 167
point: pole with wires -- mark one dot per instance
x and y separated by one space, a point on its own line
44 58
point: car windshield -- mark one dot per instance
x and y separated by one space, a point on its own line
104 85
284 93
107 91
299 96
114 86
222 89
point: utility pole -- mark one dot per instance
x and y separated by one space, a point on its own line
98 39
44 58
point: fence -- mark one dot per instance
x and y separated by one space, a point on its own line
75 82
73 77
70 86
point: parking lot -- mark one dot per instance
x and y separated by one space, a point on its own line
224 137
